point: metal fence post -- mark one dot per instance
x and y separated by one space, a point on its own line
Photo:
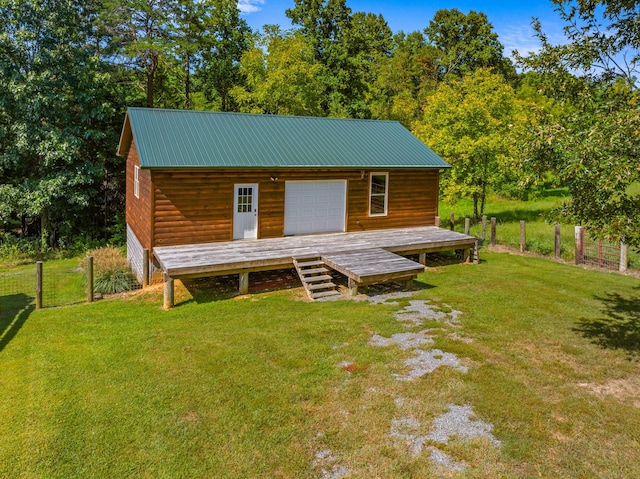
89 279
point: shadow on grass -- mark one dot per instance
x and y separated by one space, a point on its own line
12 321
220 288
619 326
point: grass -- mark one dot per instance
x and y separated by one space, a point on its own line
252 386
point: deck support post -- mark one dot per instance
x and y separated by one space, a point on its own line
409 285
353 287
244 283
422 259
467 255
168 292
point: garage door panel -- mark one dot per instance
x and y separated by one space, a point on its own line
315 206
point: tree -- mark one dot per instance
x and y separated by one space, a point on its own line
281 76
466 43
593 147
139 31
225 38
403 79
60 117
468 121
346 45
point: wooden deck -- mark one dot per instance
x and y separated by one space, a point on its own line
366 257
211 259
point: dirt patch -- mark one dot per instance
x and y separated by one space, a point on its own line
621 389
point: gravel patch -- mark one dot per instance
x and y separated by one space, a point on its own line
406 430
426 362
326 462
457 422
386 298
444 460
419 310
404 340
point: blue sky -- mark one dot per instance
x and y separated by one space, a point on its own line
510 19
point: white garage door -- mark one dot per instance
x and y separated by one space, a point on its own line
314 206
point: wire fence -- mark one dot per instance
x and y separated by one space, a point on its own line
54 284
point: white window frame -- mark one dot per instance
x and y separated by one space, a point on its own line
136 181
385 195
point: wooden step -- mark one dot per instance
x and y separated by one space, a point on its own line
316 279
314 287
324 294
306 264
313 271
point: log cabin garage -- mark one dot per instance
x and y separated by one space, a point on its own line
196 177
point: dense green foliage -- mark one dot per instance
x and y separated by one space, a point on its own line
69 68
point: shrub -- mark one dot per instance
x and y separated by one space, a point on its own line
111 271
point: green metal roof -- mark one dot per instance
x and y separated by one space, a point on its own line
199 139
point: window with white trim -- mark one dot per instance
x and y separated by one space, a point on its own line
136 181
378 194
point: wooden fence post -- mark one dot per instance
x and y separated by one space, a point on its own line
493 231
437 222
452 221
89 279
624 259
467 226
168 292
483 235
145 267
38 284
579 238
523 237
556 243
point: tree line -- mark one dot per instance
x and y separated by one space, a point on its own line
566 115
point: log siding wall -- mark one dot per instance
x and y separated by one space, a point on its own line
193 206
138 210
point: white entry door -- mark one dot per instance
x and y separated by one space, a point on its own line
245 212
315 206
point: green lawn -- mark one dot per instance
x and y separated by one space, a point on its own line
253 387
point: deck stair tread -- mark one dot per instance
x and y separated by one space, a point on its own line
317 286
316 283
310 263
316 279
325 294
309 271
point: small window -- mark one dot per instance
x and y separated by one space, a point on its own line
378 194
136 181
245 200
